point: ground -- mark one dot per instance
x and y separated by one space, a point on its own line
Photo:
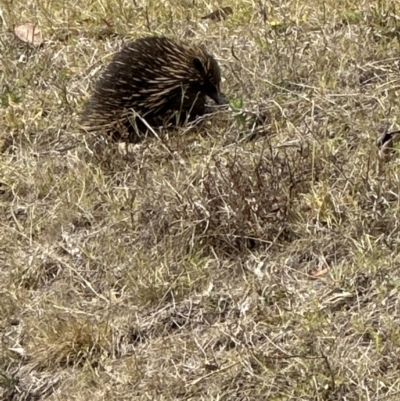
254 256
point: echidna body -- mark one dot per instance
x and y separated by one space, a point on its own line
162 81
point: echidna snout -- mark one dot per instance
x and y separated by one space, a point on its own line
211 87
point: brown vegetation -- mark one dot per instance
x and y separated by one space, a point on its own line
253 257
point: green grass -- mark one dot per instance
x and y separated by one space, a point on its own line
253 258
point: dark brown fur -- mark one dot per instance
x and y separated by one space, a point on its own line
163 81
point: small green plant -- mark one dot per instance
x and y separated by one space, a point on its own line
9 96
236 105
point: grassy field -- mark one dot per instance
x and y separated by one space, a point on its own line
253 257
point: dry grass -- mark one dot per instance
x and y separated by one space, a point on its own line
253 258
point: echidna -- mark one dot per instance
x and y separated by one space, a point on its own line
163 81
